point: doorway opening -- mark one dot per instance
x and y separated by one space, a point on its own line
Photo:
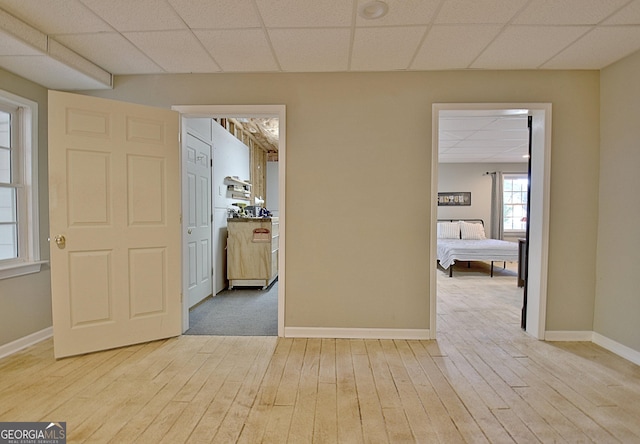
539 203
220 189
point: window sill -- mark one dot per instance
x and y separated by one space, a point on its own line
20 269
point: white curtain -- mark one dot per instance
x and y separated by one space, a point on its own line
497 219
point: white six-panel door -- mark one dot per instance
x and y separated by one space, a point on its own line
114 184
197 213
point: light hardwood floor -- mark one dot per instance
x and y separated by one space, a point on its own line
483 380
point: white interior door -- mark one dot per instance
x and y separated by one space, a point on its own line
114 183
197 212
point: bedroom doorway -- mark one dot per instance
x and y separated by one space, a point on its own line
538 204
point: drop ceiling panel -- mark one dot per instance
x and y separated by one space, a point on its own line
454 46
174 51
111 51
515 48
460 134
311 49
385 48
629 15
323 35
314 14
138 15
483 136
465 123
403 12
597 49
478 11
488 134
55 16
221 14
489 143
225 46
568 12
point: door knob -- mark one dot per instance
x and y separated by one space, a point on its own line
189 231
60 240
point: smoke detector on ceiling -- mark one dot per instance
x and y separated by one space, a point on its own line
373 10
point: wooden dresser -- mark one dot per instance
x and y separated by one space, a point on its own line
252 251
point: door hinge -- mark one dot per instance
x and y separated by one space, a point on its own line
212 218
211 162
180 296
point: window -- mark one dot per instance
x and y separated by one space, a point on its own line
19 236
514 189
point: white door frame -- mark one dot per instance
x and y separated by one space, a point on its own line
539 204
215 111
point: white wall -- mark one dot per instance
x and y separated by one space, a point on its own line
454 177
230 158
272 203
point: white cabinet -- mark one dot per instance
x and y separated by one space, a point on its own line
252 251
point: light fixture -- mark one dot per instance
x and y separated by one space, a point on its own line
372 10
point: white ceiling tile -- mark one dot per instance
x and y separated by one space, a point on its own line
137 15
478 11
403 12
111 51
567 12
221 14
56 16
489 143
465 123
385 48
509 123
225 46
174 51
597 49
311 49
296 13
629 15
527 47
492 134
456 135
453 46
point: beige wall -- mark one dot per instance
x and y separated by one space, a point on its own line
358 162
617 294
25 301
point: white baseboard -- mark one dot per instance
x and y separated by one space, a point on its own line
356 333
19 344
617 348
570 336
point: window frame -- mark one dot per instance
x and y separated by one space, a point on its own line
24 164
512 176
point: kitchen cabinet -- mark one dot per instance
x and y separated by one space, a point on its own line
252 251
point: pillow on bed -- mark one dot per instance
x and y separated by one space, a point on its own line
448 230
472 231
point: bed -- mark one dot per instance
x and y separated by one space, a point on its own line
465 240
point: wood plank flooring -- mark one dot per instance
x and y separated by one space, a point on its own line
482 381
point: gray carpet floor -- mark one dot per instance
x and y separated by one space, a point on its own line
237 312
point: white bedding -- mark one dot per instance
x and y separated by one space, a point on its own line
452 250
